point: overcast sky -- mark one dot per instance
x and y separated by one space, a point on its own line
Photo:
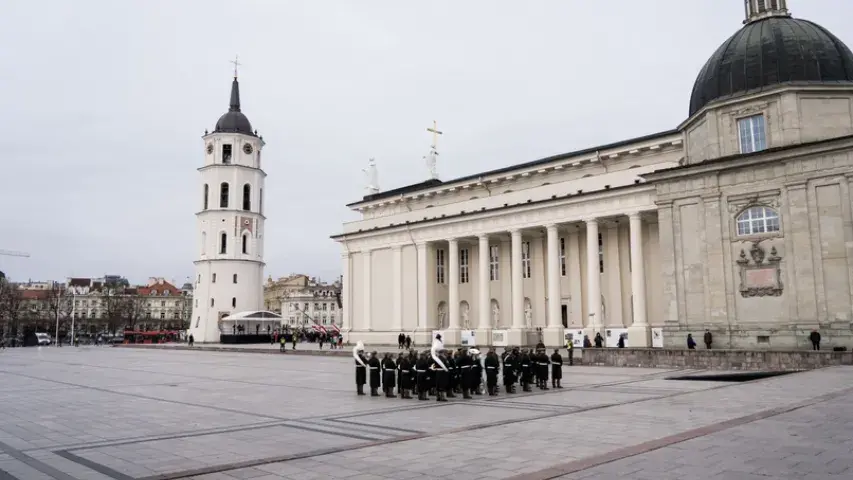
104 103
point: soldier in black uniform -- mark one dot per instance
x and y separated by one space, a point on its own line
476 373
492 366
375 377
509 372
404 379
389 369
525 370
360 373
423 381
556 368
543 362
452 373
413 372
463 362
442 377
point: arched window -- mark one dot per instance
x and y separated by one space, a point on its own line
245 243
223 195
223 242
206 194
211 302
757 220
235 278
247 197
261 201
203 242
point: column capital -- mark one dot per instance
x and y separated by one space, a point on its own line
483 236
453 240
515 231
634 215
591 220
346 254
366 251
396 248
551 226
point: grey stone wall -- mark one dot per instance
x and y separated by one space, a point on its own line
715 359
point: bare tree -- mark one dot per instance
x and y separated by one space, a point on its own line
133 309
10 307
112 309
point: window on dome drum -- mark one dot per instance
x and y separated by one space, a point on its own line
213 277
463 266
494 263
562 257
757 220
525 259
247 197
226 153
223 243
203 242
751 134
439 266
261 201
223 195
211 302
206 194
235 278
233 302
245 243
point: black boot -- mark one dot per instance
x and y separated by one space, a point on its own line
545 384
450 394
373 392
466 395
440 397
559 384
360 389
422 395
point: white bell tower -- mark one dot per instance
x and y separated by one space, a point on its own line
230 223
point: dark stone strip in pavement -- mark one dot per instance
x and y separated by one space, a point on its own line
4 475
380 427
333 432
115 474
345 352
32 462
147 397
645 447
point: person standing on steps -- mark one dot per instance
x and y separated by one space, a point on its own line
709 339
599 340
570 347
814 337
691 344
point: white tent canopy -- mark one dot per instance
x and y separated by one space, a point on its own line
251 322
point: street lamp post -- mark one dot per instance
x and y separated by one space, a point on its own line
73 313
58 296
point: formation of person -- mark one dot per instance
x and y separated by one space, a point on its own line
442 373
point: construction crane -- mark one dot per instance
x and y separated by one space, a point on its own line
12 253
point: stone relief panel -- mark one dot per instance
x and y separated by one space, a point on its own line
760 271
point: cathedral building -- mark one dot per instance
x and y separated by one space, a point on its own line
230 224
737 221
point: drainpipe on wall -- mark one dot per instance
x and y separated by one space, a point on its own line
417 284
345 292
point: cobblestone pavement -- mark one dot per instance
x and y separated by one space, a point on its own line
96 413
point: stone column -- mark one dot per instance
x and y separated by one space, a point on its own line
484 330
593 280
423 333
553 336
368 293
346 293
638 332
516 335
452 336
397 278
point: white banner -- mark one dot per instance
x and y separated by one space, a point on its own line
499 338
576 336
611 337
657 338
468 338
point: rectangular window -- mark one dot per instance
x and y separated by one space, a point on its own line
213 278
600 253
525 259
324 306
439 266
316 307
463 265
494 263
332 307
226 153
162 315
752 134
562 257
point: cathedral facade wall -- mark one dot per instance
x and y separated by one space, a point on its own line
768 289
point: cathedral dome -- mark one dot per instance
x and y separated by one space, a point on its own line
234 121
772 49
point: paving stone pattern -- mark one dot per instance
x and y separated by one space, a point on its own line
98 413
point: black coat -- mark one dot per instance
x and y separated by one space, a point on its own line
389 371
509 370
361 371
556 366
375 378
422 377
464 364
492 366
476 372
442 376
404 371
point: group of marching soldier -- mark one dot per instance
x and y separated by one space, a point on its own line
445 374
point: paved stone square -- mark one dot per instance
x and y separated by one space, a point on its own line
100 412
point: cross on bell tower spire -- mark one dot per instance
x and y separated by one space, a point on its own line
758 9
